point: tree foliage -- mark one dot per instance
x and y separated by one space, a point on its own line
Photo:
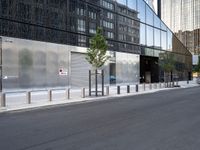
167 62
197 67
96 54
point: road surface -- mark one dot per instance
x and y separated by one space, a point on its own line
166 120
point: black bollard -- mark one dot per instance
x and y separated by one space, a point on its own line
118 89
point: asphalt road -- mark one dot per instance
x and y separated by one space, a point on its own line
167 120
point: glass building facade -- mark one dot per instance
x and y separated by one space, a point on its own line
40 37
183 18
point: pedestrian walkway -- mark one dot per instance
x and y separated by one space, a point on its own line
34 99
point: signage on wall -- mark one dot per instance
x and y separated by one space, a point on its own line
63 72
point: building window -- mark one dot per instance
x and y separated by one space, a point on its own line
122 37
110 35
108 5
92 27
80 11
149 36
92 15
122 10
81 40
107 24
81 25
110 15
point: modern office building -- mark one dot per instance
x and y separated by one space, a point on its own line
183 18
43 43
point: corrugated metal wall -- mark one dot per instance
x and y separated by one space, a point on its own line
79 70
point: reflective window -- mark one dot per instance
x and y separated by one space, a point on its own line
157 21
109 34
141 10
149 51
122 37
109 15
92 27
80 11
156 53
149 16
132 4
81 25
142 34
163 26
107 24
82 40
157 38
169 40
108 5
149 36
92 15
163 40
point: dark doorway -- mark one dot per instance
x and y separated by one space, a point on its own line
112 73
149 69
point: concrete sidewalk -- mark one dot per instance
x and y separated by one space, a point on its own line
18 101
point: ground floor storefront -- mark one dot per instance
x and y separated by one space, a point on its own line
27 64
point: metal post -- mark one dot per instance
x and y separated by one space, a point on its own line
102 74
107 90
150 86
144 86
118 89
128 88
96 84
136 88
155 85
160 85
50 95
187 81
89 83
3 99
28 97
68 93
83 93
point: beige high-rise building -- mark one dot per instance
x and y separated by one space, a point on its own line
183 18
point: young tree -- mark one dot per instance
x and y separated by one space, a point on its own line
197 67
96 54
167 63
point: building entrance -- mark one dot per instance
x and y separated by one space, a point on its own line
149 69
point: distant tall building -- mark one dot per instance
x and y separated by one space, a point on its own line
183 18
